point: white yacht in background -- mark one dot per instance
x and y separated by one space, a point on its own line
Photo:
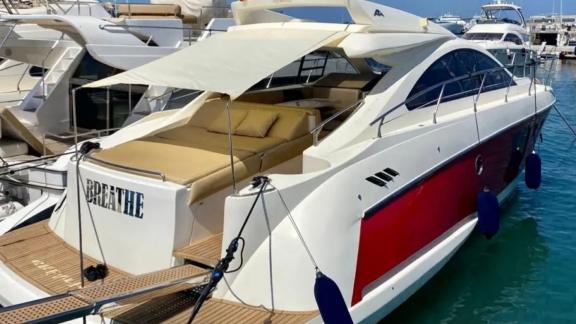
46 56
241 206
453 23
502 30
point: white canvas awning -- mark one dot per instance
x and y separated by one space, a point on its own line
228 63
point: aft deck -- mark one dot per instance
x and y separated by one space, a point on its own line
176 308
39 256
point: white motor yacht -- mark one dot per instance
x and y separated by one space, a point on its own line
45 58
503 31
453 23
287 191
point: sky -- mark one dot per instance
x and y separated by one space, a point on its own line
469 8
463 8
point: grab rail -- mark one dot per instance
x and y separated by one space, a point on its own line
22 77
44 94
161 175
162 27
381 118
98 133
316 131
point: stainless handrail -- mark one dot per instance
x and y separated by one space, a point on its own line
44 64
98 133
161 175
7 35
548 81
22 77
512 78
479 91
162 27
316 131
438 102
171 92
381 118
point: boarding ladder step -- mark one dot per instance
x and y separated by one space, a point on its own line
205 251
81 302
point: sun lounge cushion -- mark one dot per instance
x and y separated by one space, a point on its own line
191 155
180 164
256 123
201 138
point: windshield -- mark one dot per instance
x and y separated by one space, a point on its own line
483 36
501 16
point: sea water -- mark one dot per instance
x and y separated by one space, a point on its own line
527 272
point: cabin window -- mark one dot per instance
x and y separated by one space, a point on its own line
93 111
453 65
483 36
37 71
308 69
513 39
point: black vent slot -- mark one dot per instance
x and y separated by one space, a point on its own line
384 176
391 172
376 181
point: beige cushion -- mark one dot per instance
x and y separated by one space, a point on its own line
339 97
290 125
222 123
255 144
193 155
203 139
285 151
344 80
292 122
148 10
257 123
180 164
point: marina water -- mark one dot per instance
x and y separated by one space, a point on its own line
527 272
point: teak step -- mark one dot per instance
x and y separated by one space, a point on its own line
176 308
87 300
205 251
48 309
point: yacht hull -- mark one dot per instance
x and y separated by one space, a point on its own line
407 238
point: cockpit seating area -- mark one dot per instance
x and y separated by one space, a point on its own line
196 155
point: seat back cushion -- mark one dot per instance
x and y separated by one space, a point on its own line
290 124
340 97
227 122
257 123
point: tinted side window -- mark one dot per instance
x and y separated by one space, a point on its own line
513 39
453 65
494 80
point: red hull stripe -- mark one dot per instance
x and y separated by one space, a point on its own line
402 225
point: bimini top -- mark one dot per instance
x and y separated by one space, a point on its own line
228 63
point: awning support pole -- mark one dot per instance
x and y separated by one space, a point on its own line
230 144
